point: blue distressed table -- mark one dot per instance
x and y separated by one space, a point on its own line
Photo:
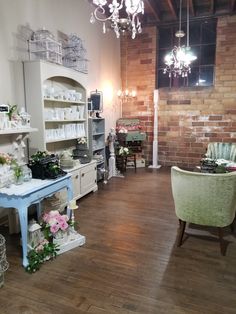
32 192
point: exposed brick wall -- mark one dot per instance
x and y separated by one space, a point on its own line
138 70
188 118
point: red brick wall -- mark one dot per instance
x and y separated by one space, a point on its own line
188 118
138 68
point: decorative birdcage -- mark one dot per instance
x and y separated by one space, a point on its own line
74 54
43 46
3 260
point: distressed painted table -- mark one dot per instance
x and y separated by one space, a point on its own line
32 192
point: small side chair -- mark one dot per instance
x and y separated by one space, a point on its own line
204 199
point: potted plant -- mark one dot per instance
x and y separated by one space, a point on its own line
82 143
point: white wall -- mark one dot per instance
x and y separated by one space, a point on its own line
67 16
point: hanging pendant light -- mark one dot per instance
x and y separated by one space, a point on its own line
131 22
178 61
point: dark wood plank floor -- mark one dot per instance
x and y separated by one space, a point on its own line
129 263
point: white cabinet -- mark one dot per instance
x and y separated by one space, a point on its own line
56 100
84 179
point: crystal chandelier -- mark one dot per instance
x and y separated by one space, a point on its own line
109 11
178 61
126 94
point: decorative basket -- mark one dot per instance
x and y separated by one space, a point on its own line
46 168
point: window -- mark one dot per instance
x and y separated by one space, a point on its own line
202 41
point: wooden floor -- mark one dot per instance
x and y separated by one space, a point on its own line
129 263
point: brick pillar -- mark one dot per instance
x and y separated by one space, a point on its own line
138 71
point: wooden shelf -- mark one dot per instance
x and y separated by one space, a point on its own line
64 101
17 131
63 139
63 121
99 133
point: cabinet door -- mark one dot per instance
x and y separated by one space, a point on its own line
88 178
76 184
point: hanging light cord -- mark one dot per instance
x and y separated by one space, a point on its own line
187 23
180 18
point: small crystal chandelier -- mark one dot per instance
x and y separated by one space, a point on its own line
178 61
126 94
120 24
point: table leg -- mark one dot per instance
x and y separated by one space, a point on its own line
69 197
39 210
23 215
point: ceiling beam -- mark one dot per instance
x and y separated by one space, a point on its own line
173 8
212 7
232 5
154 9
191 8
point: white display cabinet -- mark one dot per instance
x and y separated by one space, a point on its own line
97 143
56 100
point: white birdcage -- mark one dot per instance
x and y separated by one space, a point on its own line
43 46
74 54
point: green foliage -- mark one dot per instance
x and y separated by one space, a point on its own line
38 156
12 111
37 257
2 160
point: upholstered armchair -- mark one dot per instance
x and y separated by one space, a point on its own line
204 199
221 151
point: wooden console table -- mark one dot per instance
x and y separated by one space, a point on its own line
32 192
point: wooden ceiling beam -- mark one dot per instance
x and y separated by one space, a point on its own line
232 5
212 7
191 8
172 8
154 9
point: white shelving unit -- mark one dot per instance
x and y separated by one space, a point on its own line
97 143
55 133
60 122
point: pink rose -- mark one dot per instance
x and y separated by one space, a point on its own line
45 217
64 226
54 213
54 228
52 221
61 220
65 217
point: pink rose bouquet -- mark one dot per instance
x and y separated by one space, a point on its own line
54 222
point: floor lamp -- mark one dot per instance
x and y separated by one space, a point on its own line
155 132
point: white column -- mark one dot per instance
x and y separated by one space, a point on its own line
155 132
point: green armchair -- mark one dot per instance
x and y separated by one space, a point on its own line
221 151
204 199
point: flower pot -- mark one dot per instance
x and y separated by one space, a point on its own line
19 180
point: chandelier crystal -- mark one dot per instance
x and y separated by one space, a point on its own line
178 61
119 23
